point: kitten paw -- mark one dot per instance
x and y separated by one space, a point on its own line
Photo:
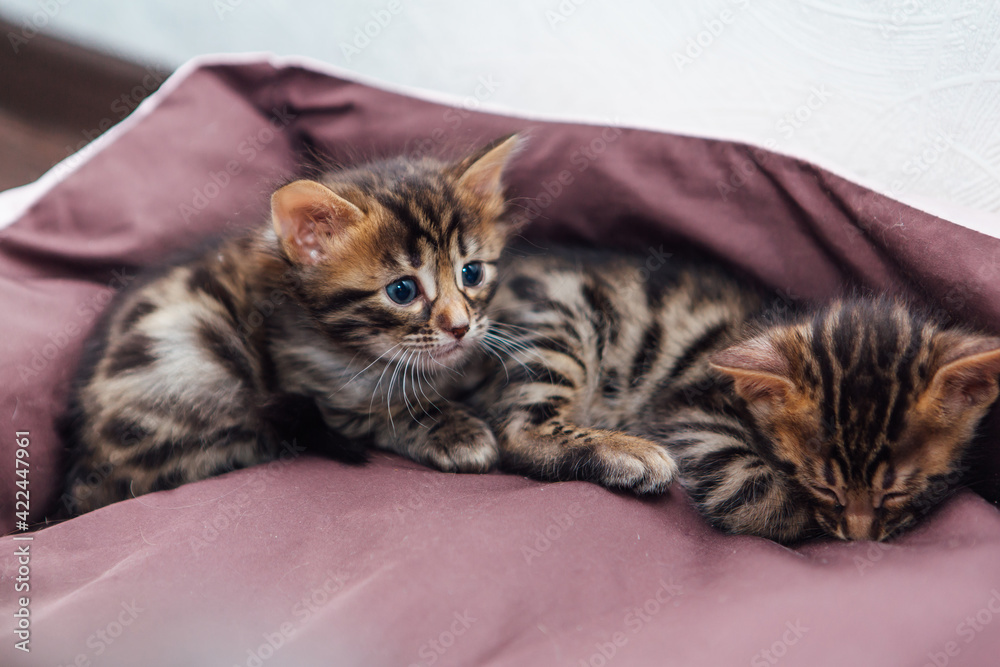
626 462
460 444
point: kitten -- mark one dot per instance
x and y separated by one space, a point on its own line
845 420
343 321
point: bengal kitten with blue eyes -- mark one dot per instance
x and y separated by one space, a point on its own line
342 322
849 420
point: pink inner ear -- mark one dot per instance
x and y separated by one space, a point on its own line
969 376
753 387
759 370
755 355
304 212
484 175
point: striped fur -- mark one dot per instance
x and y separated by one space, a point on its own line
289 336
844 420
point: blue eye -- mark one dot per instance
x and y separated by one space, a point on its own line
403 291
472 274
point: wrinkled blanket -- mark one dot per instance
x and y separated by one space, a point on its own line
307 561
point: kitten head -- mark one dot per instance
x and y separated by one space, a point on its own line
867 406
398 258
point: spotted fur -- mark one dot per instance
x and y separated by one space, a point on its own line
289 335
848 420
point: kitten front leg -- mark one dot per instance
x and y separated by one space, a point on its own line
535 440
448 437
455 441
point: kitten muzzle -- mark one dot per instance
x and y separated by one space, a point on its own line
859 520
449 351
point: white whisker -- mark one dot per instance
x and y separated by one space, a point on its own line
518 329
406 399
488 348
430 381
371 403
513 349
367 367
388 395
417 377
447 368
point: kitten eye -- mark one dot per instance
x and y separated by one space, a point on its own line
828 493
472 274
403 291
896 495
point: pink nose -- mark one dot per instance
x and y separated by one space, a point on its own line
459 332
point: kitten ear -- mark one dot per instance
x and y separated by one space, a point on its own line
481 171
759 370
967 377
305 215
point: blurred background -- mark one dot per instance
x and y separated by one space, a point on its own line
901 95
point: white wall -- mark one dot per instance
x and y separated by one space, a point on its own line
903 95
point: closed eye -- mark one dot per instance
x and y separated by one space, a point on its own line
829 494
896 495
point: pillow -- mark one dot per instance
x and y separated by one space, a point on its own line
306 561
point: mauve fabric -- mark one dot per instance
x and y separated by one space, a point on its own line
310 562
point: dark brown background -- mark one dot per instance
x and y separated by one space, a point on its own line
54 95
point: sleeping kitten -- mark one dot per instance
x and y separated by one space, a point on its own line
340 322
845 420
